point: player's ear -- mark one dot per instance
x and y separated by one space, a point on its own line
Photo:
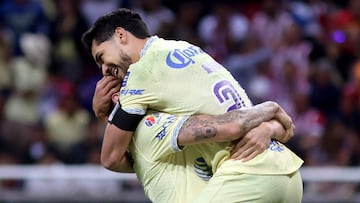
115 97
120 34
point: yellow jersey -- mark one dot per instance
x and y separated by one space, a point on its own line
179 78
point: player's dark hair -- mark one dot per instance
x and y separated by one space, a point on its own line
105 26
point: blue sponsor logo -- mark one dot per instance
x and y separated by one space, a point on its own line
169 120
274 146
161 134
126 77
202 170
131 92
182 58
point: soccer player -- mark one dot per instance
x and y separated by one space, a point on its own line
157 75
171 174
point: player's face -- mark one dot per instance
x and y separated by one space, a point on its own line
111 58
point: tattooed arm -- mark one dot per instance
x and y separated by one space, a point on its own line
233 125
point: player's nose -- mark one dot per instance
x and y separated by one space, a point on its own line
105 70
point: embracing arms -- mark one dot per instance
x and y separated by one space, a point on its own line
232 125
251 129
267 119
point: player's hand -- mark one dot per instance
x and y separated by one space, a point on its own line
253 143
284 119
289 133
104 90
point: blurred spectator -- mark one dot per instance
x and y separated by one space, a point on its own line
284 87
289 63
222 27
38 146
260 87
21 108
29 73
293 48
13 136
307 16
22 16
345 34
6 80
186 22
92 9
269 23
158 18
243 61
54 88
325 93
320 12
349 108
309 122
65 35
87 150
30 70
67 124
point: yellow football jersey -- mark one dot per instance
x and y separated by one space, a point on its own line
181 79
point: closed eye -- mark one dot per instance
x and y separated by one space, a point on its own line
98 59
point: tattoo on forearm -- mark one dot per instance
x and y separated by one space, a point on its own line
251 118
204 132
199 128
202 127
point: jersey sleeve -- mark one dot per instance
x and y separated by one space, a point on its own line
157 134
138 91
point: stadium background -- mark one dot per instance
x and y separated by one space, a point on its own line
302 54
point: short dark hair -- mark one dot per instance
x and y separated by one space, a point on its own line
104 27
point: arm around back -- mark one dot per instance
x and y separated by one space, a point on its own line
229 126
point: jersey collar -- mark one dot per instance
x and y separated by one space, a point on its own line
148 44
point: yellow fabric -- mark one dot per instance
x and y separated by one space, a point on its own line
179 78
167 174
252 188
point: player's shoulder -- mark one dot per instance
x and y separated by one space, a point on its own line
175 54
167 45
160 50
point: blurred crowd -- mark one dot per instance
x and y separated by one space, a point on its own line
303 54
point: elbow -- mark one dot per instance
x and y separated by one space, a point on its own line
108 163
115 163
234 131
